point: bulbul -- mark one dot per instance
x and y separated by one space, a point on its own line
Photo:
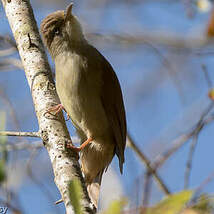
90 93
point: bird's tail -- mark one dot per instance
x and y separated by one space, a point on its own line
94 189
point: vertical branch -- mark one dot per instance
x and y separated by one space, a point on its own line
189 161
200 125
37 70
146 192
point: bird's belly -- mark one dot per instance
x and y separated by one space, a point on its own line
85 110
79 93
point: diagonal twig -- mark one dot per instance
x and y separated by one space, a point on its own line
198 190
182 139
146 161
195 136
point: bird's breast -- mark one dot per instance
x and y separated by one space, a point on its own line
69 75
78 86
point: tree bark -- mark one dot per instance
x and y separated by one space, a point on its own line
52 129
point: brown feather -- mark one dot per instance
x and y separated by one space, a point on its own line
113 104
90 92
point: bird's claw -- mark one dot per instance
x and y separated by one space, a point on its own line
69 145
56 109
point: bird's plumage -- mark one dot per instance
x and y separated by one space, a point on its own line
90 92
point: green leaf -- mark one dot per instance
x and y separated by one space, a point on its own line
3 139
204 204
3 151
173 204
2 171
75 194
115 207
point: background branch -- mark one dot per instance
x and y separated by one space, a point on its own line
189 161
20 134
182 139
147 163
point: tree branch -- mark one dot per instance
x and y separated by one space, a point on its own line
145 160
28 145
22 146
155 37
146 191
53 129
182 139
189 161
20 134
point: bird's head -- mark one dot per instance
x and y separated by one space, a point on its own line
61 29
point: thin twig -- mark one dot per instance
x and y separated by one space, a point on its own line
59 201
199 127
23 146
10 108
204 183
203 53
8 51
146 161
20 134
156 37
200 187
167 64
176 144
189 161
146 192
8 39
182 139
30 145
11 62
35 179
207 76
195 137
190 8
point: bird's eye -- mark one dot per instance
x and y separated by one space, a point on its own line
56 31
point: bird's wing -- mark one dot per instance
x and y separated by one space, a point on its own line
112 100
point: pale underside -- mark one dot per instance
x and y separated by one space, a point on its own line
81 98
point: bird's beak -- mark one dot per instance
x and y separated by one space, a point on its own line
68 12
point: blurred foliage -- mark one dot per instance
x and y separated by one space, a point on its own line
116 207
75 194
172 204
205 204
3 151
211 94
2 171
204 5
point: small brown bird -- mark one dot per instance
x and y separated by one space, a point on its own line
90 93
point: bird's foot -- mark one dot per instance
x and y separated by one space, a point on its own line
56 109
78 149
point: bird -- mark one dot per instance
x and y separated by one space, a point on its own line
90 93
